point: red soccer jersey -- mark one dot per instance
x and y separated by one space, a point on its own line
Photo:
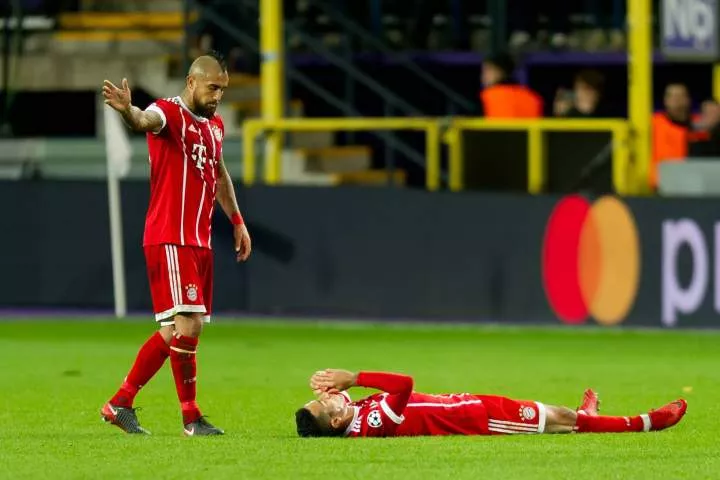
184 158
401 412
424 414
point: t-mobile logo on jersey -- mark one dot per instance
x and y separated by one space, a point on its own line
199 155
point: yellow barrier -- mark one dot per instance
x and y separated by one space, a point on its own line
625 180
453 138
536 146
272 72
640 87
253 127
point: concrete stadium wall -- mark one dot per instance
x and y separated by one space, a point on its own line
388 253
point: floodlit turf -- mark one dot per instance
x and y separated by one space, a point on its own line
252 376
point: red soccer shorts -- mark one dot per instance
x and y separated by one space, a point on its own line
506 415
180 281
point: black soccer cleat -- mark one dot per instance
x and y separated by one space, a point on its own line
202 427
123 418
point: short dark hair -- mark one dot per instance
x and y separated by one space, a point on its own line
503 61
677 84
308 425
593 78
219 58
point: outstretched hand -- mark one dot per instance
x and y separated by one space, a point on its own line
118 98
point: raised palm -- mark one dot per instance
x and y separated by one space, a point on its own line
118 98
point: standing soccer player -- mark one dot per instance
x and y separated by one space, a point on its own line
187 175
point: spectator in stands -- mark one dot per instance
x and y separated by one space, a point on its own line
706 139
584 101
501 97
675 128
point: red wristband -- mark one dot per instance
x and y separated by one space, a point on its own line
237 219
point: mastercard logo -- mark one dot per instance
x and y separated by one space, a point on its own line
591 260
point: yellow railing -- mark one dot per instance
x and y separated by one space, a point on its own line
536 152
253 127
536 156
640 87
626 180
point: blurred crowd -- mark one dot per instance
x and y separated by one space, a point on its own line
677 132
585 24
424 24
588 25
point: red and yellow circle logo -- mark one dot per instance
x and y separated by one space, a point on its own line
591 260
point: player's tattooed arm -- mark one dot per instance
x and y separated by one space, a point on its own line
225 193
142 120
120 99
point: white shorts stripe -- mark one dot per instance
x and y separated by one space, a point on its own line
527 428
176 271
512 432
171 275
513 424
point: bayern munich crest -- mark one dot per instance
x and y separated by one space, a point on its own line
527 413
191 292
217 133
374 419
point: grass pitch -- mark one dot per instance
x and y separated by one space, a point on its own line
56 374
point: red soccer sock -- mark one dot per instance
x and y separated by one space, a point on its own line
149 359
184 367
603 424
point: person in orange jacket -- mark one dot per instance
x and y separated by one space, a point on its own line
501 97
673 129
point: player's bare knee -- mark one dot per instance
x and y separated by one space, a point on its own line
189 325
560 419
570 416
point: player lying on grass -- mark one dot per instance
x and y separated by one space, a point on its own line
399 411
